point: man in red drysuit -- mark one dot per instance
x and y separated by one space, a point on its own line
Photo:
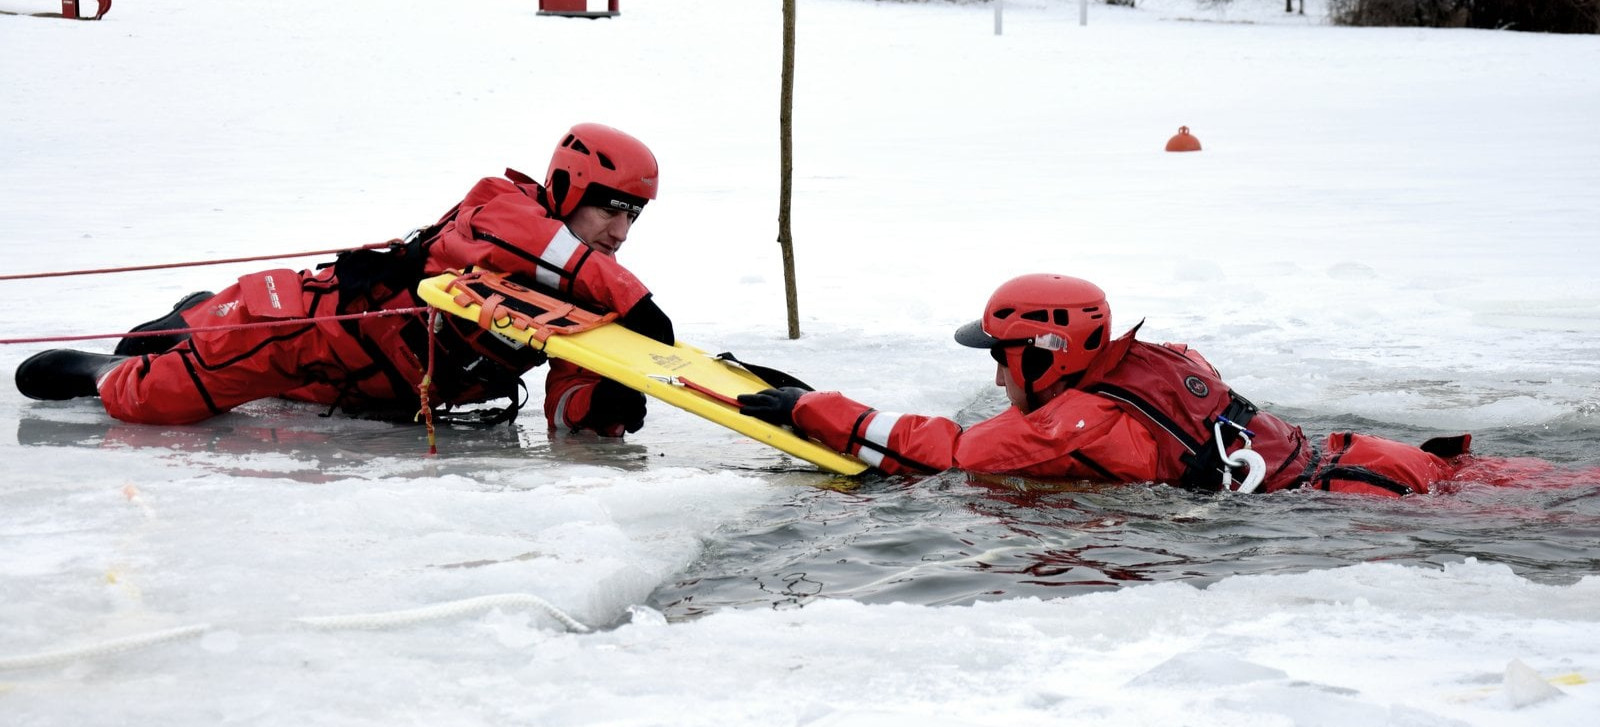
561 236
1089 407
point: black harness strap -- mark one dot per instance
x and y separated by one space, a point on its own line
773 377
1089 462
458 368
1309 471
489 416
397 267
381 364
1205 467
1324 479
1155 415
856 438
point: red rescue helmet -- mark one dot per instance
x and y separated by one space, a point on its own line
598 165
1043 327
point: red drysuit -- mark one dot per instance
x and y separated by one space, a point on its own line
1141 413
375 365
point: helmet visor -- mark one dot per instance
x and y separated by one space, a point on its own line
972 335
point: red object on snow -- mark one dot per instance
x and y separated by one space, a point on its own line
1183 141
69 9
578 8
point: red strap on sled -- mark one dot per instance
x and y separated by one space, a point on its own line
521 308
707 392
717 395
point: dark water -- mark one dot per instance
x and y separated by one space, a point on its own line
951 539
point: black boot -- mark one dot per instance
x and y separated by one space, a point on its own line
63 374
142 345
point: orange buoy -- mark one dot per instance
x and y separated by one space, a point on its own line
1184 141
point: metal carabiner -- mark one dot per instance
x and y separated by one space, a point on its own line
1255 464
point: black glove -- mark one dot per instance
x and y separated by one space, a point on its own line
646 319
775 406
611 404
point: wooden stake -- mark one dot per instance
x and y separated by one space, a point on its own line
786 151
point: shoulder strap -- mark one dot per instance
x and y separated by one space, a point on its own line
774 378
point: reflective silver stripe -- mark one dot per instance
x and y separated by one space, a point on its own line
878 433
562 248
560 419
878 429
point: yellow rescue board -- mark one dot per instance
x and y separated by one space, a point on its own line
668 373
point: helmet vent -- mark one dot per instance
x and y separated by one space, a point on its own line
1042 316
1060 316
574 143
605 161
1094 312
1095 339
1003 313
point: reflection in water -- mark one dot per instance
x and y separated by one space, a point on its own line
282 439
956 539
289 440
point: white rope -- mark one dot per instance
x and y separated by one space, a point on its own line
104 648
440 611
386 619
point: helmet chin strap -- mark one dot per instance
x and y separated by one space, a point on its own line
1036 397
1033 401
549 203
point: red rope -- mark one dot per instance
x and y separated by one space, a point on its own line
426 412
237 326
709 393
427 382
194 263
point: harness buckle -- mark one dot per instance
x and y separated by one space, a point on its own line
507 306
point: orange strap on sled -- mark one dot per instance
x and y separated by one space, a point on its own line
705 391
503 304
